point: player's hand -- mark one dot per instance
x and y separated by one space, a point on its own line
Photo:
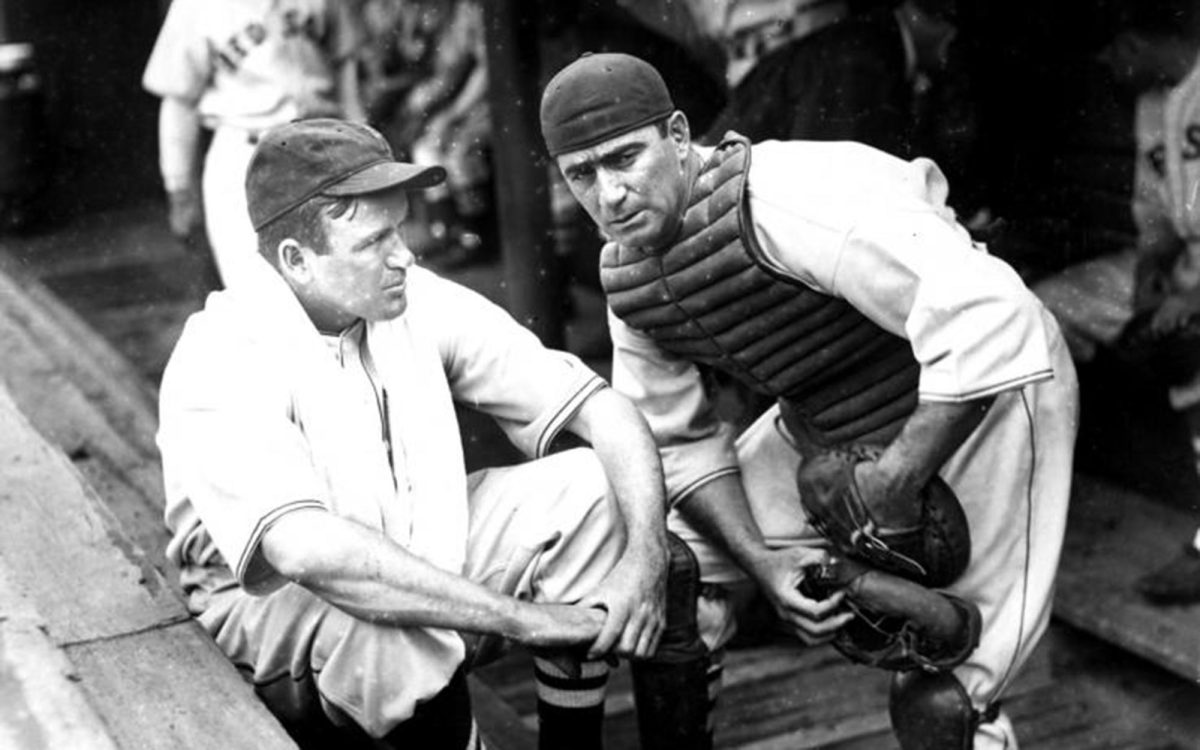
558 626
185 214
634 596
779 573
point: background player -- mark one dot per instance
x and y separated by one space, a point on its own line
238 67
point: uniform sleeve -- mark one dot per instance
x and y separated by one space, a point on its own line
495 365
902 260
695 445
229 447
180 64
975 328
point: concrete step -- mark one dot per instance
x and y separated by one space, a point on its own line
135 663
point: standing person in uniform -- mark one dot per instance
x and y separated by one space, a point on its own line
238 67
1144 301
831 277
329 537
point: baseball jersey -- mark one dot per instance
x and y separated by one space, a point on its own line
856 223
1167 187
261 417
252 63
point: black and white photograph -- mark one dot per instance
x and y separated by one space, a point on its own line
599 375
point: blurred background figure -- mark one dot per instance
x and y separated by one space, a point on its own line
1144 300
226 70
424 85
812 70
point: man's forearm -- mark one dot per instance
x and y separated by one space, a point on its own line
367 575
178 141
931 435
720 511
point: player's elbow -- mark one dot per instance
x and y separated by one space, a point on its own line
292 544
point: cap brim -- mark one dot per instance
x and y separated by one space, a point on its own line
387 175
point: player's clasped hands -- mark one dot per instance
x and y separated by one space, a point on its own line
780 572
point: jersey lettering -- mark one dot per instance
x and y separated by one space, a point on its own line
307 26
1191 142
295 24
1157 156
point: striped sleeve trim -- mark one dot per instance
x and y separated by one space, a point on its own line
566 412
1011 384
264 523
679 495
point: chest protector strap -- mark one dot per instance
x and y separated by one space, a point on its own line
711 298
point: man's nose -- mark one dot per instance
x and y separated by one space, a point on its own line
612 189
399 256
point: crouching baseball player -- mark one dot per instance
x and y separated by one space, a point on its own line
329 537
926 405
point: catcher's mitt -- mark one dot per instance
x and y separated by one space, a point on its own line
898 625
935 552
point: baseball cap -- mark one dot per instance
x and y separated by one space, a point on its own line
601 96
323 156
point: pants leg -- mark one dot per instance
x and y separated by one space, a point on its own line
545 531
1013 477
226 218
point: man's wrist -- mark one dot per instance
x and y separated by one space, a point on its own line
754 558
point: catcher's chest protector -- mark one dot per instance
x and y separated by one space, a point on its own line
707 297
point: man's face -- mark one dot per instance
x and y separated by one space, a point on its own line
364 273
634 186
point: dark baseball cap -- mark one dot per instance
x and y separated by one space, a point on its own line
305 158
601 96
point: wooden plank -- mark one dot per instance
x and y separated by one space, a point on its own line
1113 537
98 417
85 358
63 548
43 707
155 678
171 687
777 695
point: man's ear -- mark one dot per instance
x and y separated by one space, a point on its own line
293 260
679 131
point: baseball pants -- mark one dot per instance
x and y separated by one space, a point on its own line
1013 477
226 217
545 531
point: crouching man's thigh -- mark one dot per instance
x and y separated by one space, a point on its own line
548 530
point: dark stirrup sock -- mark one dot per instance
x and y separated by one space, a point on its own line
570 709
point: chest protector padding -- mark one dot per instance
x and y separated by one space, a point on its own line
709 297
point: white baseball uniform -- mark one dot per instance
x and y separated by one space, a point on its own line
262 416
244 66
855 223
1095 300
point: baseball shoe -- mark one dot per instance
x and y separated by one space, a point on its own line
1178 582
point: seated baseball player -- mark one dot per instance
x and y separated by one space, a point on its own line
329 537
926 403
